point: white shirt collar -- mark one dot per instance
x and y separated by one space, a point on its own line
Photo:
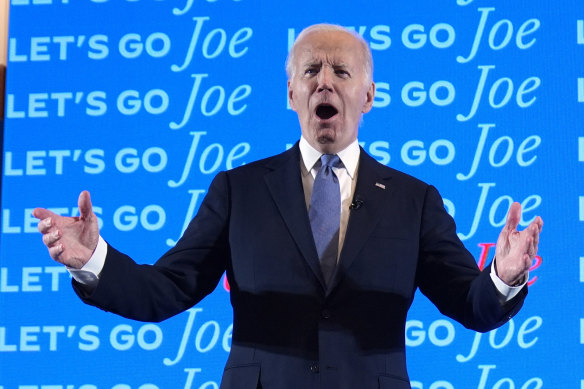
349 156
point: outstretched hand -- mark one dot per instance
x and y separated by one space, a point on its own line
516 249
70 240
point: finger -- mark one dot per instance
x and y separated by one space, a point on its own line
42 213
45 225
532 231
513 216
84 204
539 221
521 259
55 251
528 261
50 238
535 233
532 249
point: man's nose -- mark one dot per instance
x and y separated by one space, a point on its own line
325 79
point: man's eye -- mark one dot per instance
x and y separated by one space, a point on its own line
341 72
311 71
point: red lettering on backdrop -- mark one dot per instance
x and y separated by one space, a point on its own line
484 254
486 247
226 283
536 264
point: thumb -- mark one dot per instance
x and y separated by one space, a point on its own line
84 204
513 217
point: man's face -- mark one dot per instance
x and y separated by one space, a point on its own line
329 89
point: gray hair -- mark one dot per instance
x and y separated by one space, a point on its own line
331 27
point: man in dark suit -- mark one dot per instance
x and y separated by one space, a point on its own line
309 314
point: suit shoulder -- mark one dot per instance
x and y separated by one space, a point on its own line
397 176
407 177
254 173
264 164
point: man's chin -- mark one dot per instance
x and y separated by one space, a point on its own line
327 144
325 139
325 134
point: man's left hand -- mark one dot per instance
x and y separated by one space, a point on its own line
516 249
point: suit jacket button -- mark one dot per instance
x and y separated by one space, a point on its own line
314 368
325 314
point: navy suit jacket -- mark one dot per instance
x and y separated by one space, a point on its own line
289 329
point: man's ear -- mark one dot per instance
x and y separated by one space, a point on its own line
369 98
290 96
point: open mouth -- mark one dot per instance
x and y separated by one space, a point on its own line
326 111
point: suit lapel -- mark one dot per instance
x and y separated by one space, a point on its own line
373 190
285 185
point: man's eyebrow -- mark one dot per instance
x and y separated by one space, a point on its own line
312 62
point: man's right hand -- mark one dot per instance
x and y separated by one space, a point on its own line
70 240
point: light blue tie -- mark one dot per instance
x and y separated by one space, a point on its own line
325 214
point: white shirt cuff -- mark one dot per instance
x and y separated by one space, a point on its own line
506 292
89 274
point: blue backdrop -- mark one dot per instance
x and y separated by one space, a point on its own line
142 102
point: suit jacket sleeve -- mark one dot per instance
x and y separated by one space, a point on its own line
180 278
449 277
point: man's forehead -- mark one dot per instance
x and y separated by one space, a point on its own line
329 41
337 56
332 51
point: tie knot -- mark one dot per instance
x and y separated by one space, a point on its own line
330 160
